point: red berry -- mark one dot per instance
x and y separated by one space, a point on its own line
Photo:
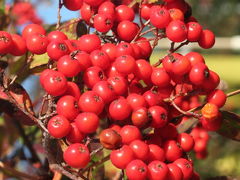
130 133
173 150
73 5
58 126
32 29
186 142
186 168
155 153
73 90
119 84
70 67
100 58
140 149
107 8
217 97
207 39
176 31
37 43
56 36
159 17
102 23
136 170
74 136
198 74
194 31
158 115
56 49
160 77
111 50
127 30
157 170
110 139
124 12
174 173
125 64
89 43
19 47
87 122
93 75
195 58
140 117
77 155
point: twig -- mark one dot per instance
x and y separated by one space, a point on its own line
172 50
233 93
96 151
60 4
16 173
140 30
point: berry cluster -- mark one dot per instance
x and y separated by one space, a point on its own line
107 79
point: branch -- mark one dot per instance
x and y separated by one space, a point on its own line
233 93
60 4
16 173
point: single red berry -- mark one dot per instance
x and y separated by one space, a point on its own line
58 126
173 150
124 48
119 84
217 97
160 77
73 5
127 30
186 141
214 125
207 39
130 133
55 83
152 98
56 36
200 145
176 14
140 149
195 58
93 75
73 90
136 170
143 70
140 117
32 29
181 66
157 170
100 58
67 106
93 3
125 64
111 50
107 8
124 12
102 23
90 101
83 58
159 17
37 43
87 122
146 11
194 31
145 47
110 139
70 67
158 116
19 47
77 155
120 158
119 109
136 101
89 43
56 49
176 31
87 12
198 74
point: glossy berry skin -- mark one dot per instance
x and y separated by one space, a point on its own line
90 101
174 173
145 47
194 31
55 83
87 122
107 8
140 117
181 66
73 5
89 43
87 12
56 36
159 17
207 39
130 133
105 91
67 106
140 149
210 111
212 82
100 58
37 43
159 116
70 67
198 74
73 90
83 58
93 3
136 170
110 49
146 11
119 84
124 12
125 64
200 145
214 125
44 74
173 150
120 158
6 42
119 109
176 14
74 135
186 168
77 155
155 153
56 49
102 23
152 98
19 47
93 75
217 97
58 126
195 58
169 60
176 31
136 101
32 29
143 70
157 170
186 142
160 77
110 139
124 48
127 30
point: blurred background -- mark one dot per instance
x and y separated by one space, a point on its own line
223 18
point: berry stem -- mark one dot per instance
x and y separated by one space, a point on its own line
60 4
233 93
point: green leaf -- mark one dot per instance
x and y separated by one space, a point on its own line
39 60
69 28
230 126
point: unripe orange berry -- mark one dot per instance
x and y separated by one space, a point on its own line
210 111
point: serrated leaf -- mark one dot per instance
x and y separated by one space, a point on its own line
81 28
39 60
230 126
